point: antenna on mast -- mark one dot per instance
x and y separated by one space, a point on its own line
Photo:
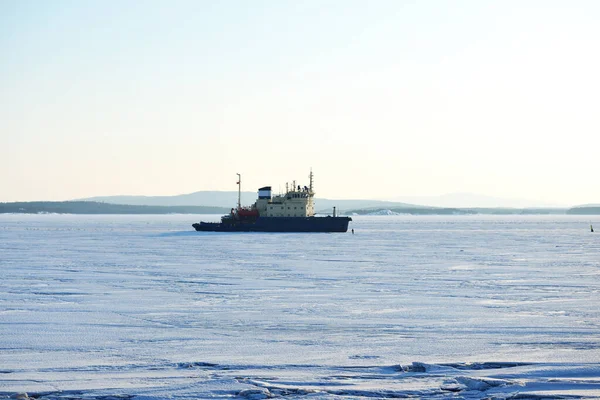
239 191
311 181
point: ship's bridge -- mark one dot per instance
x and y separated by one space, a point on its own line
264 192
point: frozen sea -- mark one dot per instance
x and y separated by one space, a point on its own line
144 307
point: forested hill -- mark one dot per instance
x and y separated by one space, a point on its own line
92 207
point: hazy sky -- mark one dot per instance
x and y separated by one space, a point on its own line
380 98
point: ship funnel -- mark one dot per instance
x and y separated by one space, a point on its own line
264 192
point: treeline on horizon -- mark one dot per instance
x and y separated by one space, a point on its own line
92 207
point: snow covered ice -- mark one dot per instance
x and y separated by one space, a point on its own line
144 307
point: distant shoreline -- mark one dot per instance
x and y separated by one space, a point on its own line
462 211
92 207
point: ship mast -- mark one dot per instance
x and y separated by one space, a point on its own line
311 181
239 191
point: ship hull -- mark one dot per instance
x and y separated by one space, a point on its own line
278 224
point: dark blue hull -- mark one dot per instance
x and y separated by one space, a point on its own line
278 224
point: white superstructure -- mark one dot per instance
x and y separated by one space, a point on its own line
297 201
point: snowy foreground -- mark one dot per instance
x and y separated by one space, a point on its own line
107 307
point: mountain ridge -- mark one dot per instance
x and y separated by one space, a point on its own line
217 198
214 198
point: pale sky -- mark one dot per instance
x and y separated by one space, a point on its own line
381 98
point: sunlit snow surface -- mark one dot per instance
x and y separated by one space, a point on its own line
430 307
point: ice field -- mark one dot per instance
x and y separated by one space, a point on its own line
144 307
